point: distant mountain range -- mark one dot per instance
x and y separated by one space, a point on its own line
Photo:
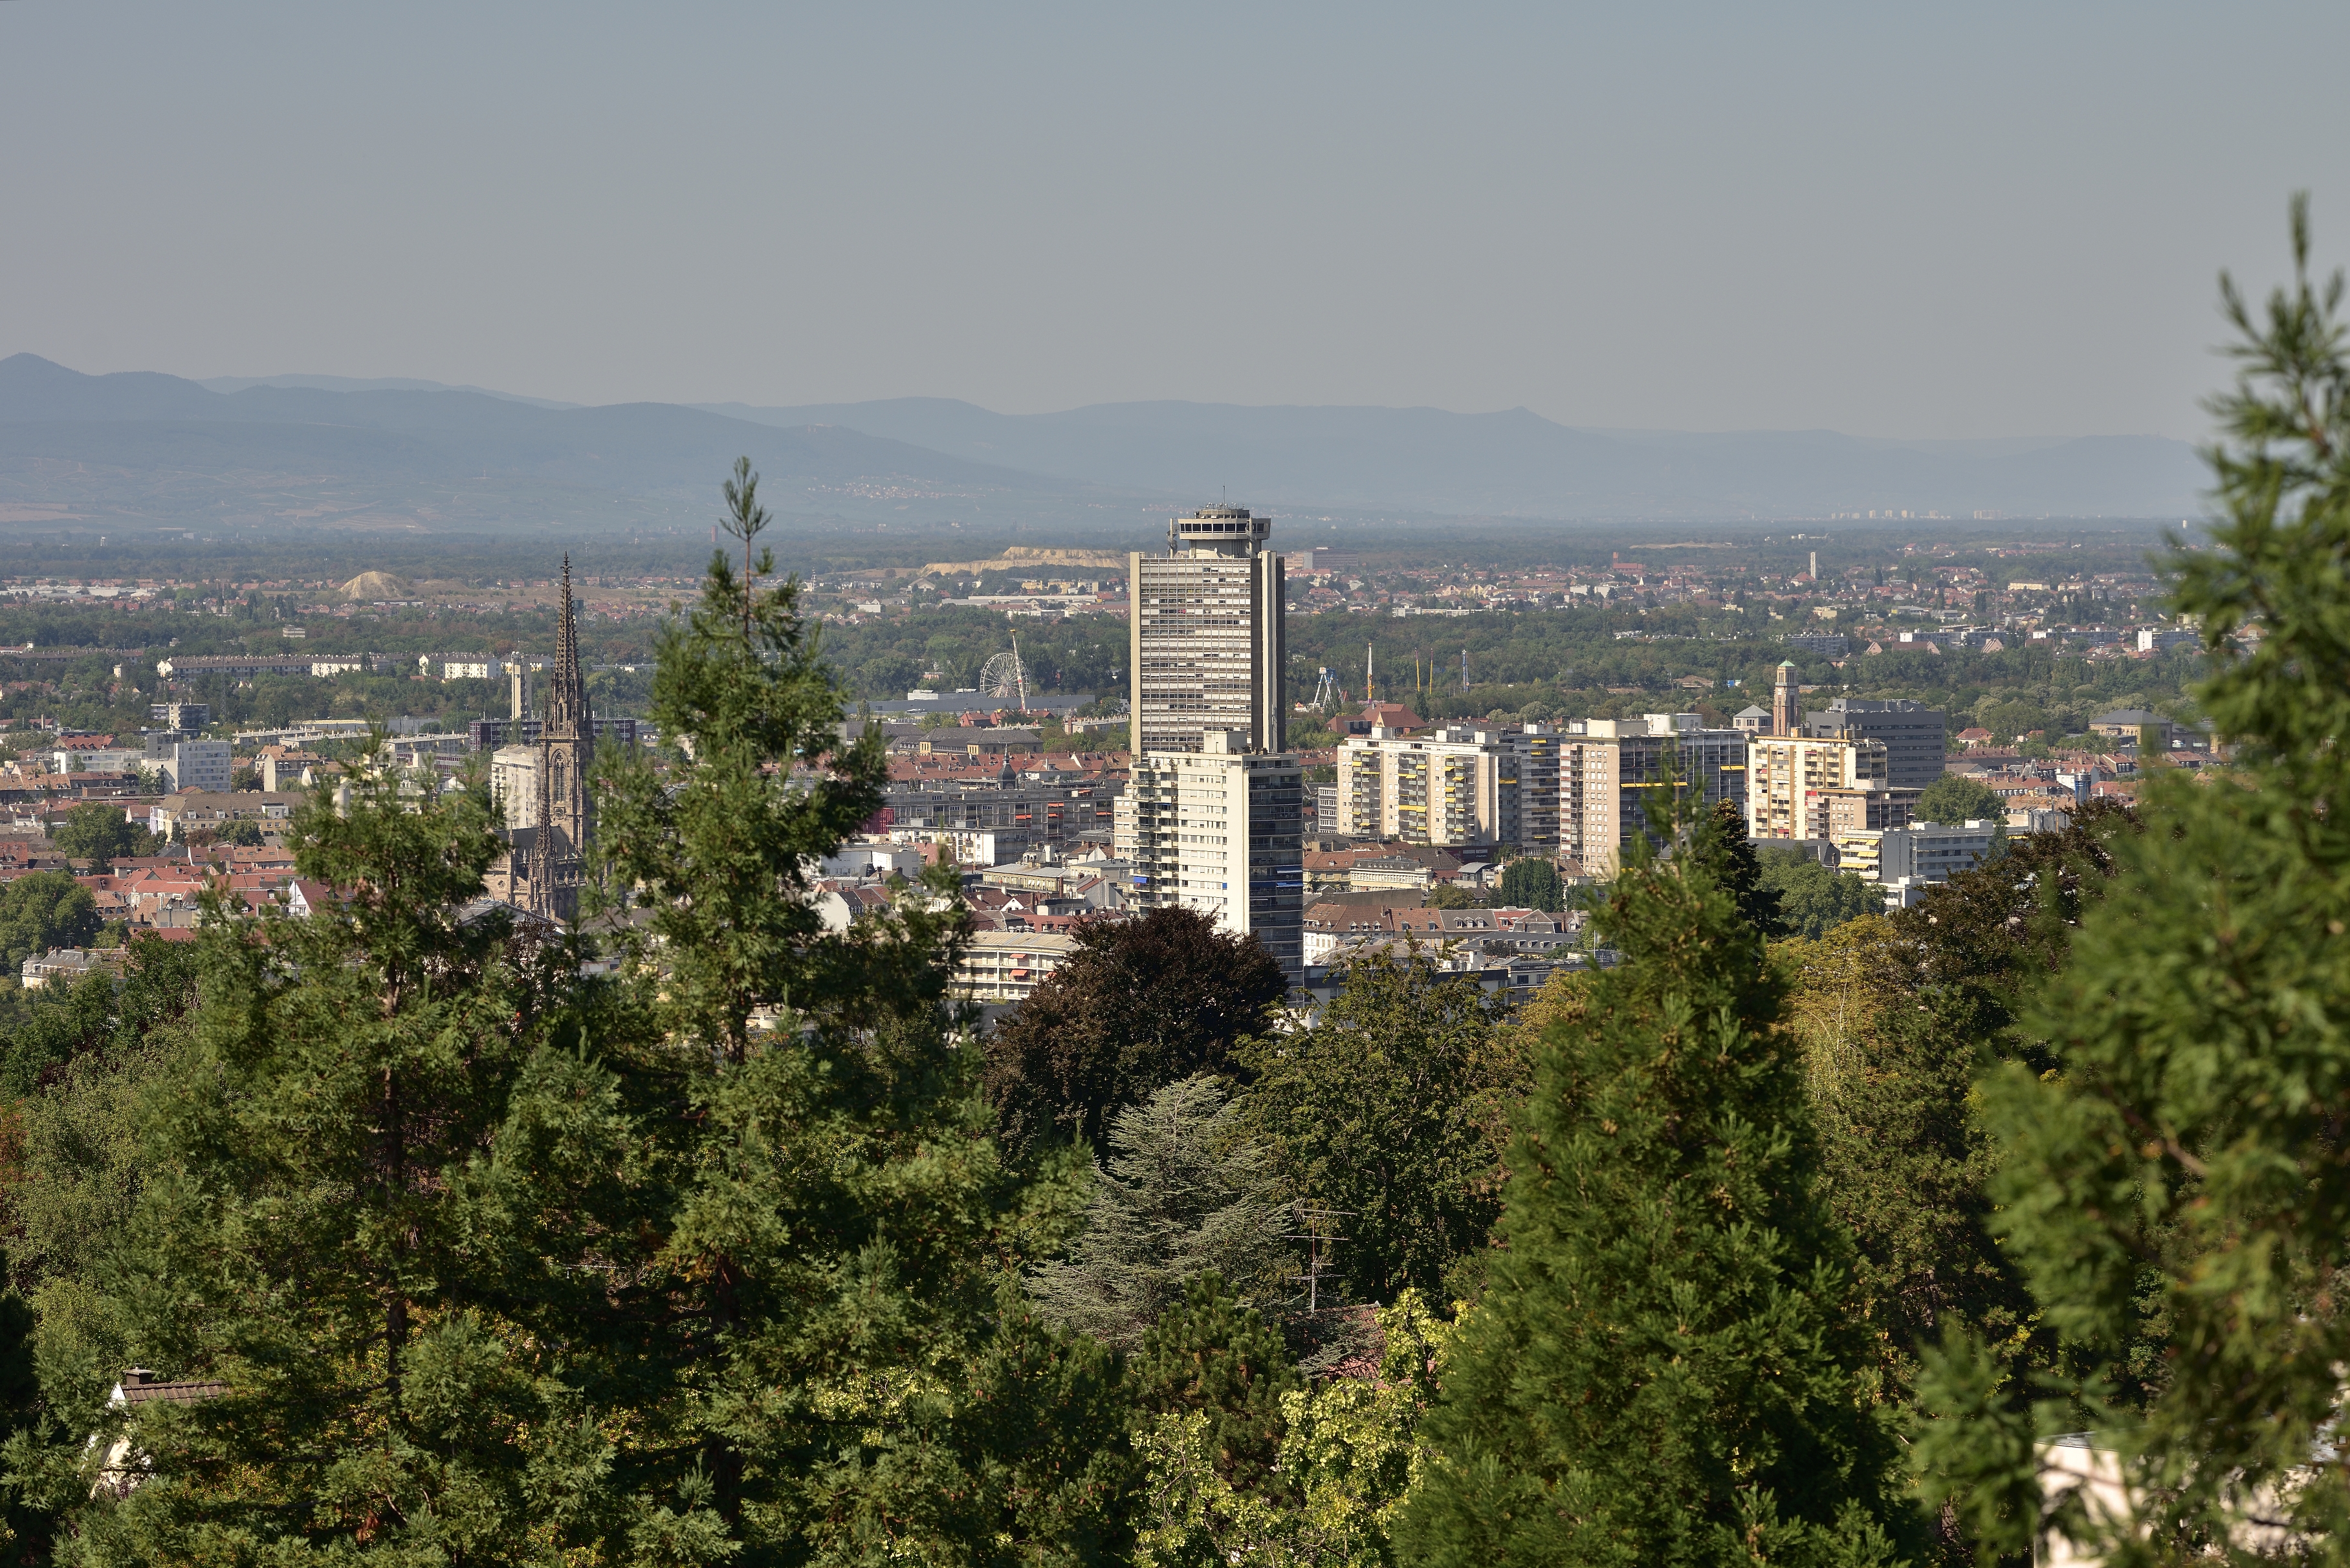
138 445
330 451
1519 465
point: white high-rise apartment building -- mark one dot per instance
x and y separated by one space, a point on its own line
1220 830
1610 769
1205 644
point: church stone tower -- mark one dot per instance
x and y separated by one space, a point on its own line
558 854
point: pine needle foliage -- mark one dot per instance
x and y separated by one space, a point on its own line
1209 1354
1663 1367
320 1231
2187 1154
1185 1194
837 1364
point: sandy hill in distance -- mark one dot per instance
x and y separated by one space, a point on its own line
1022 558
376 585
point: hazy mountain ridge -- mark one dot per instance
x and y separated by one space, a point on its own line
139 444
298 449
1517 464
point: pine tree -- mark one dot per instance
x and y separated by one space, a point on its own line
2184 1159
327 1232
828 1303
1185 1194
1741 870
1208 1353
1662 1368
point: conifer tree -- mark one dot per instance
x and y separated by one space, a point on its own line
1209 1354
1662 1368
323 1236
1185 1194
2184 1158
833 1324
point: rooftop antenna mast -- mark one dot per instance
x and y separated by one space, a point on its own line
1314 1229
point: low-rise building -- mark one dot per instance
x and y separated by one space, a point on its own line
1006 966
63 966
188 811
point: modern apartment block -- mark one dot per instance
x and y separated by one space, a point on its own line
1219 829
1205 642
1610 770
1795 783
1440 788
191 764
1908 860
1530 789
1913 734
1868 810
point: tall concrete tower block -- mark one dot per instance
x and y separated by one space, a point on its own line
1206 649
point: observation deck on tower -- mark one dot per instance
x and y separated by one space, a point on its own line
1220 530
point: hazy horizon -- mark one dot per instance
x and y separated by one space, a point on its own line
1997 223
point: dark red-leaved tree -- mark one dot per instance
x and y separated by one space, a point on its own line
1140 1004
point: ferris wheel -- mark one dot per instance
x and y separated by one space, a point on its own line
1004 676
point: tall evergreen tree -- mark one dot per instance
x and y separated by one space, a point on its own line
1663 1368
2188 1156
832 1326
1533 884
321 1233
1209 1354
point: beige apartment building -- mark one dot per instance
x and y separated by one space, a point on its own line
1610 770
1445 787
1799 787
1006 966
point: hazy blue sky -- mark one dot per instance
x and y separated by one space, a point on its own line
1906 220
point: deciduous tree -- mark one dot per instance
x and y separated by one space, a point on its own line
1954 798
1140 1004
1384 1111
